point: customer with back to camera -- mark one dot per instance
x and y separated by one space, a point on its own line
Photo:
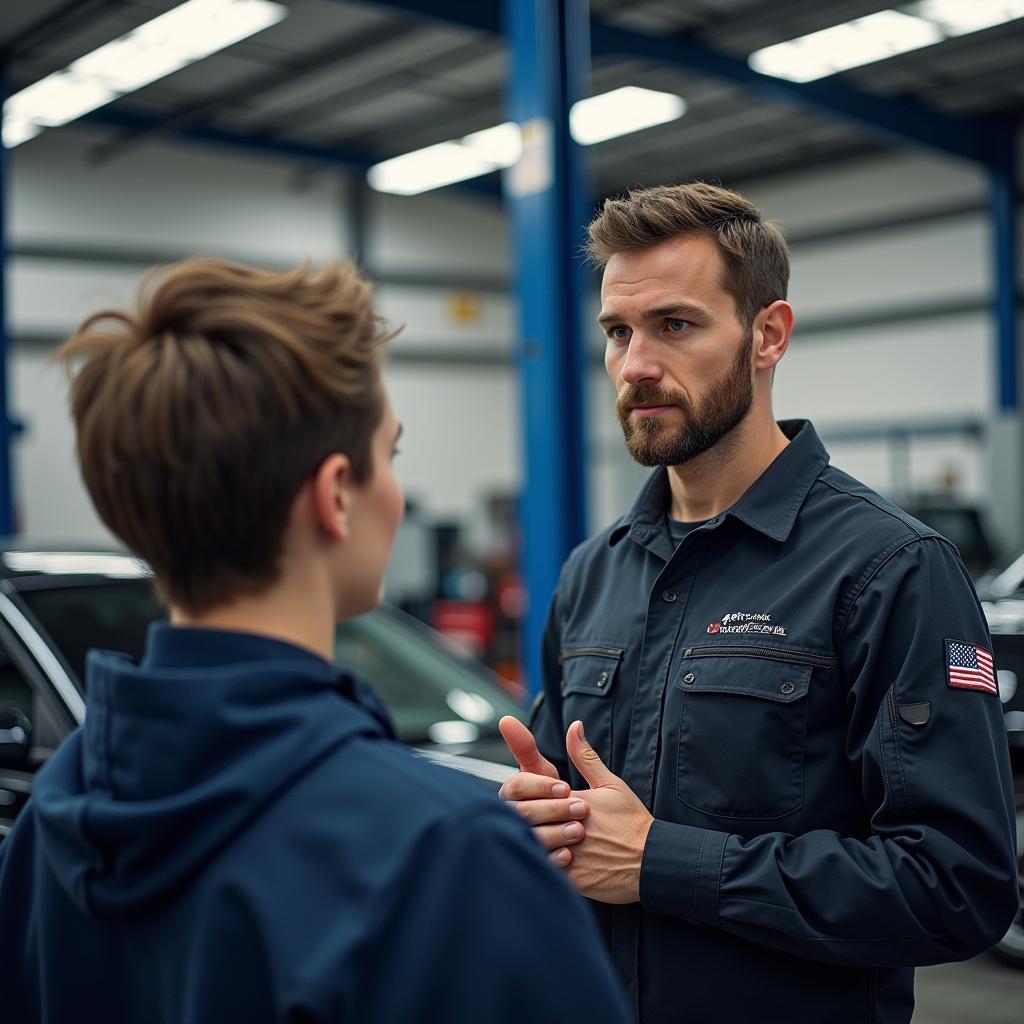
235 834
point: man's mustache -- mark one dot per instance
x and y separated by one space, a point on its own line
634 396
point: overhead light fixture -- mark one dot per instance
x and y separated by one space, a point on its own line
592 120
621 112
182 36
16 132
958 18
430 168
879 36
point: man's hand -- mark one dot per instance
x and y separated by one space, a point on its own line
606 866
537 793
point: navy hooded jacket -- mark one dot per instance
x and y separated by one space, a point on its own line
234 835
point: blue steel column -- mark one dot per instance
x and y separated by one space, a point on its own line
7 524
549 56
1003 214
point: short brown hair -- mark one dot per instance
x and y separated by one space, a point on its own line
201 413
754 250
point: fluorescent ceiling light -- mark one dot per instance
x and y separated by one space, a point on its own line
621 112
429 168
959 17
182 36
841 47
596 119
879 36
501 144
16 132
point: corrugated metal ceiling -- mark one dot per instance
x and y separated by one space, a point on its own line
365 77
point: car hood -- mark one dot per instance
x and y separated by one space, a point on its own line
175 760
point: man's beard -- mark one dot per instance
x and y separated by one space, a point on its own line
652 442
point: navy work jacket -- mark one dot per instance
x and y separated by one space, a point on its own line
234 835
832 804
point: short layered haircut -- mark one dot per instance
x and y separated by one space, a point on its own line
754 251
202 412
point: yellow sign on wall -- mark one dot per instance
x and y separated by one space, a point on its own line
464 308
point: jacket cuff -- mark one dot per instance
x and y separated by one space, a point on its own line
681 871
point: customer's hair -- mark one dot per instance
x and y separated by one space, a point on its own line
754 250
201 413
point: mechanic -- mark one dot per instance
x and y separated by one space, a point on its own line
235 834
777 686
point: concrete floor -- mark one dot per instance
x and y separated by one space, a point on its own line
980 991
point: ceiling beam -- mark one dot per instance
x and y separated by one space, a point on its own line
311 154
67 18
899 118
252 88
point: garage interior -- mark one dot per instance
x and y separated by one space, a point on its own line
892 165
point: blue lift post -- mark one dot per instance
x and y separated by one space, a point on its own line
7 523
549 54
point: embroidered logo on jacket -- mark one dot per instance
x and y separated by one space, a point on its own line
747 622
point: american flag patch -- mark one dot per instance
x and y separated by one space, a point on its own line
970 667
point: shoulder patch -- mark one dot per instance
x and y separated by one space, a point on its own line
969 667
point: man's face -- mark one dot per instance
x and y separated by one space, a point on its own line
679 358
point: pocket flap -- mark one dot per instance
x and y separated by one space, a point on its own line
590 669
780 681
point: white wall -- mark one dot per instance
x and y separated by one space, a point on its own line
175 201
462 438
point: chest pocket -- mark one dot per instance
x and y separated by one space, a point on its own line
742 724
589 674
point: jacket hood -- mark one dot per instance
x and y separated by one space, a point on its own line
179 752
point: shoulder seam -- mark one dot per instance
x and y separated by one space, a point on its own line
881 508
885 556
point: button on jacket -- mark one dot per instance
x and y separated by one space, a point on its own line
832 805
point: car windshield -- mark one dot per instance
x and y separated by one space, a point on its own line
1004 578
433 692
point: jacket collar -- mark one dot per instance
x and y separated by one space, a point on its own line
770 505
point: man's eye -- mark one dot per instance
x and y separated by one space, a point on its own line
675 325
618 333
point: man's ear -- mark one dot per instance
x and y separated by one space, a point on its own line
332 486
772 328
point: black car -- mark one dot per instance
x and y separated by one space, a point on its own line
55 605
1001 590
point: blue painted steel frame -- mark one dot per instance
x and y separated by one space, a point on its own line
550 69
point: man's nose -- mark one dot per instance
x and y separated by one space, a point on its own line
640 365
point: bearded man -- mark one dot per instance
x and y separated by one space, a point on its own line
771 690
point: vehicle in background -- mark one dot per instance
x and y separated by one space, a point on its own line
1001 590
55 605
963 525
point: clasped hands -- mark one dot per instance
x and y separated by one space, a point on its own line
596 835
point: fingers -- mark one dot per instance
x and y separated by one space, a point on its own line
523 746
586 759
554 837
526 786
546 812
561 858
